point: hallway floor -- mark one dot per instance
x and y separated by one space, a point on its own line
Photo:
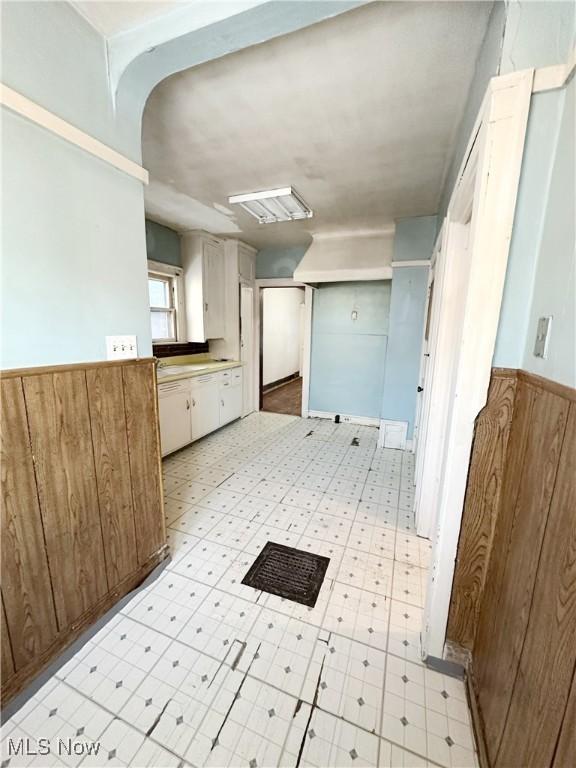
198 669
286 399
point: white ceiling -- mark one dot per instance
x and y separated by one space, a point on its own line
115 16
358 113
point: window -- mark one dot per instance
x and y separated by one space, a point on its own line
166 296
162 310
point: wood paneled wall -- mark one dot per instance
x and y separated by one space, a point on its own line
82 508
514 595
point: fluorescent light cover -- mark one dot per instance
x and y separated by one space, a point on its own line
273 205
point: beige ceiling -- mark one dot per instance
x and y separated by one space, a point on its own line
358 113
110 17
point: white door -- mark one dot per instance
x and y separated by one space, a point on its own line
205 405
174 407
247 347
469 281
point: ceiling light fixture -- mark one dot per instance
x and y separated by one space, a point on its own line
273 205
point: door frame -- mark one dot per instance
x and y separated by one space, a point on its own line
308 299
424 376
248 284
484 195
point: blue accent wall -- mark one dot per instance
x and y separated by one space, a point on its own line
162 244
414 241
279 261
349 356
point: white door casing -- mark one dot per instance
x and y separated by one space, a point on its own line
426 367
247 347
474 255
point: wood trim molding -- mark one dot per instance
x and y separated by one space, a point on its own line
12 373
27 108
557 76
415 263
562 390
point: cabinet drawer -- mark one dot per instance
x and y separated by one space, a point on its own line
203 381
173 386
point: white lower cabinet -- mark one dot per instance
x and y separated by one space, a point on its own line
205 405
192 408
174 407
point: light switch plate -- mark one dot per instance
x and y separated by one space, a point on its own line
121 347
542 336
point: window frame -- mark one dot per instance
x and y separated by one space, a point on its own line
174 277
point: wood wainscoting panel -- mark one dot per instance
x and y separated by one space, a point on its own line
481 504
536 437
59 424
565 755
141 404
82 508
542 685
26 589
7 668
110 440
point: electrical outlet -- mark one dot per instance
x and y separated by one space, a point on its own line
121 347
542 336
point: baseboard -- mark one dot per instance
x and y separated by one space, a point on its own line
279 382
366 421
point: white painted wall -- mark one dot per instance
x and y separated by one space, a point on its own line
333 258
281 334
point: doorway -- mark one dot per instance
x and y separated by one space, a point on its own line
281 349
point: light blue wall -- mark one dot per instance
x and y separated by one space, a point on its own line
413 241
348 357
414 238
554 290
73 249
163 244
279 261
73 256
539 278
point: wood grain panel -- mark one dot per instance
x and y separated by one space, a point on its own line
7 668
110 441
481 504
26 586
61 438
141 404
536 437
14 684
542 685
565 756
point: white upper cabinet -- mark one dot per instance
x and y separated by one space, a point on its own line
204 273
246 262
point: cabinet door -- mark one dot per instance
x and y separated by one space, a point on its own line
174 406
205 406
246 265
214 303
230 402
